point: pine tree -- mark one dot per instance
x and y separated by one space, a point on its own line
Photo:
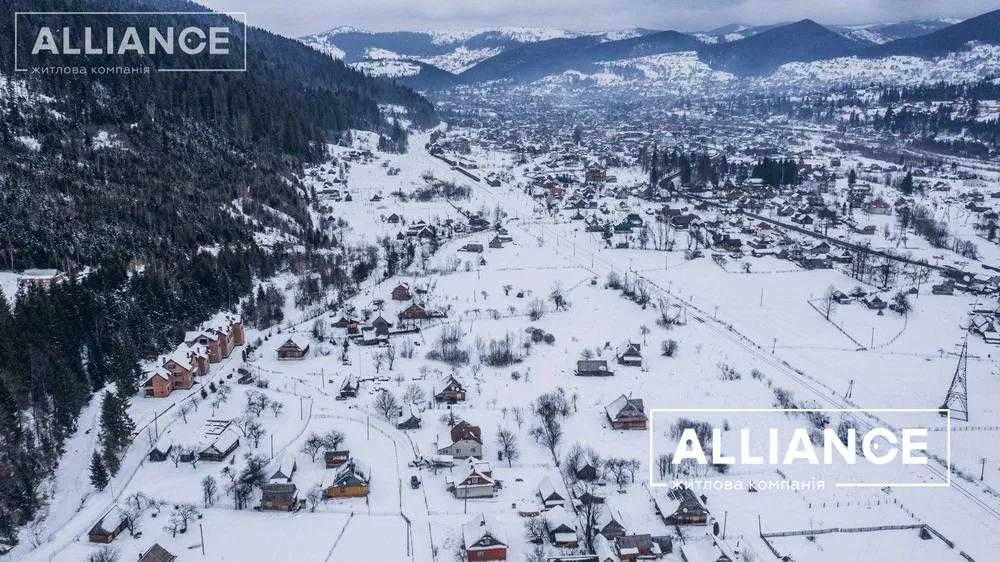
906 185
98 474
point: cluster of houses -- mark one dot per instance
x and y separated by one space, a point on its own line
211 343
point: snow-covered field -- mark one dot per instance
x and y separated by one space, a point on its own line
741 337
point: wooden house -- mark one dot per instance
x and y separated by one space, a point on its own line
279 495
350 482
626 413
680 506
408 420
483 540
158 454
336 459
109 526
414 312
549 495
401 292
593 368
561 527
452 392
157 553
295 348
630 355
587 473
611 524
221 446
637 547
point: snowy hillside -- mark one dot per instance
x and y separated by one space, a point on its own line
461 59
956 67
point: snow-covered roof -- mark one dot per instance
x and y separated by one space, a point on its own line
473 531
559 517
546 489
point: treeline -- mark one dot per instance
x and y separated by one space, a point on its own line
147 190
690 168
290 98
58 346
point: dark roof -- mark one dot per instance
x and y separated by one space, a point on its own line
157 553
592 365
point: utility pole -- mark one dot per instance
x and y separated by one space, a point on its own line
201 530
982 471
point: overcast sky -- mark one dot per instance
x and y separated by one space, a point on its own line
301 17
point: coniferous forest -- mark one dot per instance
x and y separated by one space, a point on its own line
200 161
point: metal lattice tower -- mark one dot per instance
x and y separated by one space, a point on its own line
957 400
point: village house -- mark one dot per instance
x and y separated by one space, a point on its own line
160 382
587 472
110 526
483 540
873 302
589 495
637 547
159 454
610 524
593 368
626 413
407 420
219 336
595 174
465 441
630 355
349 482
336 459
279 496
478 483
221 446
279 493
680 506
452 392
401 292
40 279
549 495
157 553
414 312
349 389
296 347
561 527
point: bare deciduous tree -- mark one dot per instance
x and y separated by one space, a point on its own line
507 445
209 490
386 404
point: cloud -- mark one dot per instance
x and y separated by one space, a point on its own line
301 17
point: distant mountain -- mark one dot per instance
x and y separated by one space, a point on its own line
429 60
984 28
764 52
733 32
353 44
652 44
533 61
880 33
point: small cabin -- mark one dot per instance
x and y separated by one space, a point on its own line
295 348
109 527
335 459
